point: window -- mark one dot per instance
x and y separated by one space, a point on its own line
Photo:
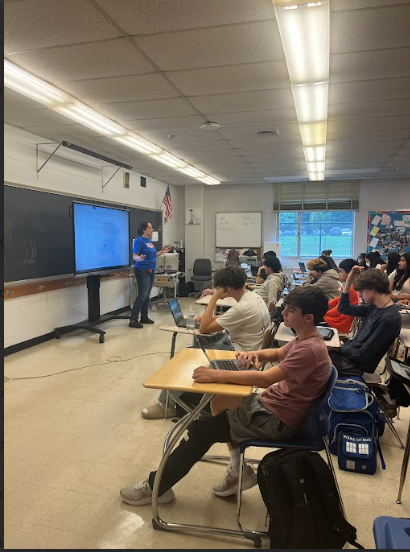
308 233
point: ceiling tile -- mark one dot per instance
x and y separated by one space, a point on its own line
360 30
250 132
200 146
351 146
121 89
347 5
370 65
244 101
13 101
262 118
239 78
182 139
155 16
32 24
368 124
382 89
370 109
216 46
34 117
369 134
109 58
169 124
148 109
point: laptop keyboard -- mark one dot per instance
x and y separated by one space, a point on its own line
225 365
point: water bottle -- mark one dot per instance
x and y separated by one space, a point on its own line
190 319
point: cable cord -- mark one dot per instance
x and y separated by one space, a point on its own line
6 379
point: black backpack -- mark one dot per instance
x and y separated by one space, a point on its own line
303 502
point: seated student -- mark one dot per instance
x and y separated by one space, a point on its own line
333 317
391 265
400 287
261 275
381 323
326 255
361 260
274 282
326 278
293 388
373 259
245 323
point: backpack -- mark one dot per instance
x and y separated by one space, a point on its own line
303 502
185 288
356 424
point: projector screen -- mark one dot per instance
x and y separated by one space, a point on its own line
101 238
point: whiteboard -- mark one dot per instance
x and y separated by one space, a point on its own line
238 230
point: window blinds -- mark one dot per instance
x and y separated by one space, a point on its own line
317 196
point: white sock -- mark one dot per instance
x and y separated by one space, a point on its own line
234 458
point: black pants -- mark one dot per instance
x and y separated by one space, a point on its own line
344 366
202 434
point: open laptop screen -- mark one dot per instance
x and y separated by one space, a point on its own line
176 310
302 266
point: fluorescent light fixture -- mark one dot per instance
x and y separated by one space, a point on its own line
210 180
136 142
23 82
311 101
316 176
316 167
169 160
305 32
305 38
91 119
316 153
192 171
41 91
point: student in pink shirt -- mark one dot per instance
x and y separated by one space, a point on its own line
292 388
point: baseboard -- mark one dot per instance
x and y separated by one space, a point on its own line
46 337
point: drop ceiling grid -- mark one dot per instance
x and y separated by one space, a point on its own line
235 76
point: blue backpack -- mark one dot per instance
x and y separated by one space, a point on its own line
356 424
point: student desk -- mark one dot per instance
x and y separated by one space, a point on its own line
226 303
177 330
286 334
176 375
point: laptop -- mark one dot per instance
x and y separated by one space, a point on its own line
229 364
399 369
176 312
302 267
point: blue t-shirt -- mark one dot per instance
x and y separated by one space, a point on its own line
144 246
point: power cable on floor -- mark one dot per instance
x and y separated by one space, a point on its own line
117 359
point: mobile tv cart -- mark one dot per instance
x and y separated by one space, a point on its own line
94 316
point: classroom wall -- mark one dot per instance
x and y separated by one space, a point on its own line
29 317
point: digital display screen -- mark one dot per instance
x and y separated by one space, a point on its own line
101 238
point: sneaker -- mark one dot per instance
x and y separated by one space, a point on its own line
135 324
229 485
147 321
141 494
157 412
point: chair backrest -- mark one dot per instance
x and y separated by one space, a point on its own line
322 419
202 267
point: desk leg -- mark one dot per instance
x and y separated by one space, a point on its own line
159 523
173 341
404 466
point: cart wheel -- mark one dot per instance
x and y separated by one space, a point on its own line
57 335
102 339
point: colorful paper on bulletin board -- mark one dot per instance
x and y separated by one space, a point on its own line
391 230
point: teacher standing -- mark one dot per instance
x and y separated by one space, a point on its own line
145 257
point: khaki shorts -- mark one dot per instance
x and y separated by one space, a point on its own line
253 421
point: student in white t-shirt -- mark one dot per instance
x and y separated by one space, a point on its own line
245 323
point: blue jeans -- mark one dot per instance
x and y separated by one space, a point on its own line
145 281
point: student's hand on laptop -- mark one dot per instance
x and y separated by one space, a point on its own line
204 374
249 358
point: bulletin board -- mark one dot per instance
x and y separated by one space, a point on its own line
388 231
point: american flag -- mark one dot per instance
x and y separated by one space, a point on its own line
168 203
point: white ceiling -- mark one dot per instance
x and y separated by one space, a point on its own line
162 68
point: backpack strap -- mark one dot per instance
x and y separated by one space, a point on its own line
327 485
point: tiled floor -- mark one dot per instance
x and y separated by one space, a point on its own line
72 440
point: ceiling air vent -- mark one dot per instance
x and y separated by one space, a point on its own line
268 133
